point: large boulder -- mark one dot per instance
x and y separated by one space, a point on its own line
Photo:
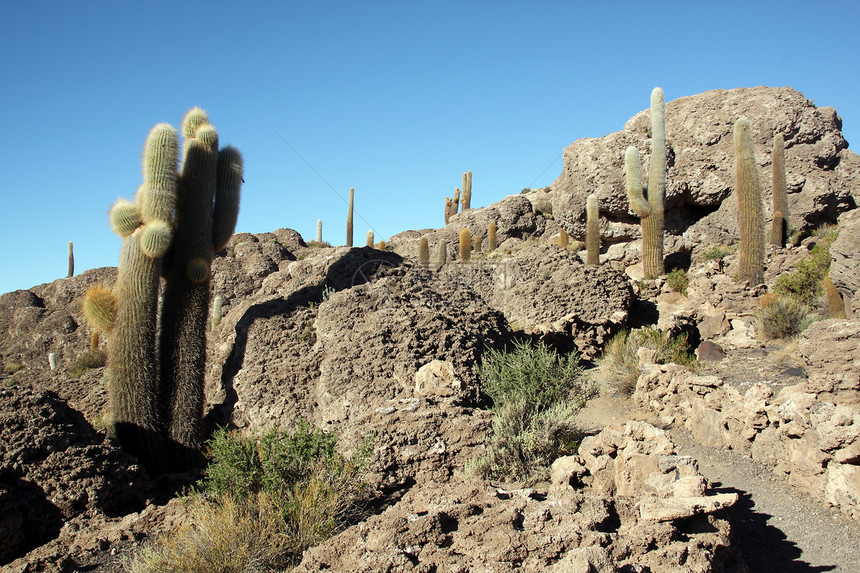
823 177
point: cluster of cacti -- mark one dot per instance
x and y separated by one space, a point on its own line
465 245
173 228
592 231
491 236
71 260
750 216
780 193
467 190
650 209
349 217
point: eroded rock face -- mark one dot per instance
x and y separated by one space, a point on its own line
823 177
845 264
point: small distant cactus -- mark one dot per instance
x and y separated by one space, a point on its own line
478 241
442 253
349 217
465 245
650 210
52 361
563 238
592 231
455 207
780 193
750 217
491 236
467 190
71 260
319 230
216 311
381 246
423 252
448 206
370 237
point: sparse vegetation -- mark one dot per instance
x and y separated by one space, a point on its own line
264 500
620 361
86 361
678 281
805 283
536 393
717 253
12 367
783 315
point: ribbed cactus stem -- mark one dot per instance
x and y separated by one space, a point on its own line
465 245
750 218
777 229
423 252
780 192
349 217
455 205
448 204
319 230
381 246
227 194
478 241
563 238
467 190
71 260
216 311
370 238
491 236
592 231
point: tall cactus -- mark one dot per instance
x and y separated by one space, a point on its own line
780 193
423 252
207 207
467 190
349 217
441 254
592 231
319 230
650 210
465 245
750 219
173 228
491 236
71 260
129 312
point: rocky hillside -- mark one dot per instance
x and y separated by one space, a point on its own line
362 341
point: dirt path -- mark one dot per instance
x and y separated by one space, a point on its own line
778 527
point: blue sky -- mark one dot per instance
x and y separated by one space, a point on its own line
396 99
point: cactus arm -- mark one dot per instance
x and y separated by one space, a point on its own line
227 195
633 177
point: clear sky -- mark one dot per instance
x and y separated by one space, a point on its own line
396 99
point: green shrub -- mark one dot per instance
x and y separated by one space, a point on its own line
678 281
536 393
717 253
783 315
262 502
805 282
12 367
86 361
620 360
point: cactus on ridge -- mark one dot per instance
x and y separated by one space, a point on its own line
349 217
750 212
370 238
71 260
423 252
465 245
592 231
319 230
467 190
650 209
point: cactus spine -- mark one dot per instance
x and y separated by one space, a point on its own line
592 231
71 260
370 238
319 230
780 194
465 245
467 190
748 189
491 236
423 252
349 217
650 210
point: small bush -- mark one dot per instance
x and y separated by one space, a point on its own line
782 316
536 393
87 360
620 360
678 281
12 367
717 253
318 244
805 283
263 501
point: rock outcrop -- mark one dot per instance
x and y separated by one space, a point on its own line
823 176
845 265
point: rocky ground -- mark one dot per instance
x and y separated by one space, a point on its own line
752 462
